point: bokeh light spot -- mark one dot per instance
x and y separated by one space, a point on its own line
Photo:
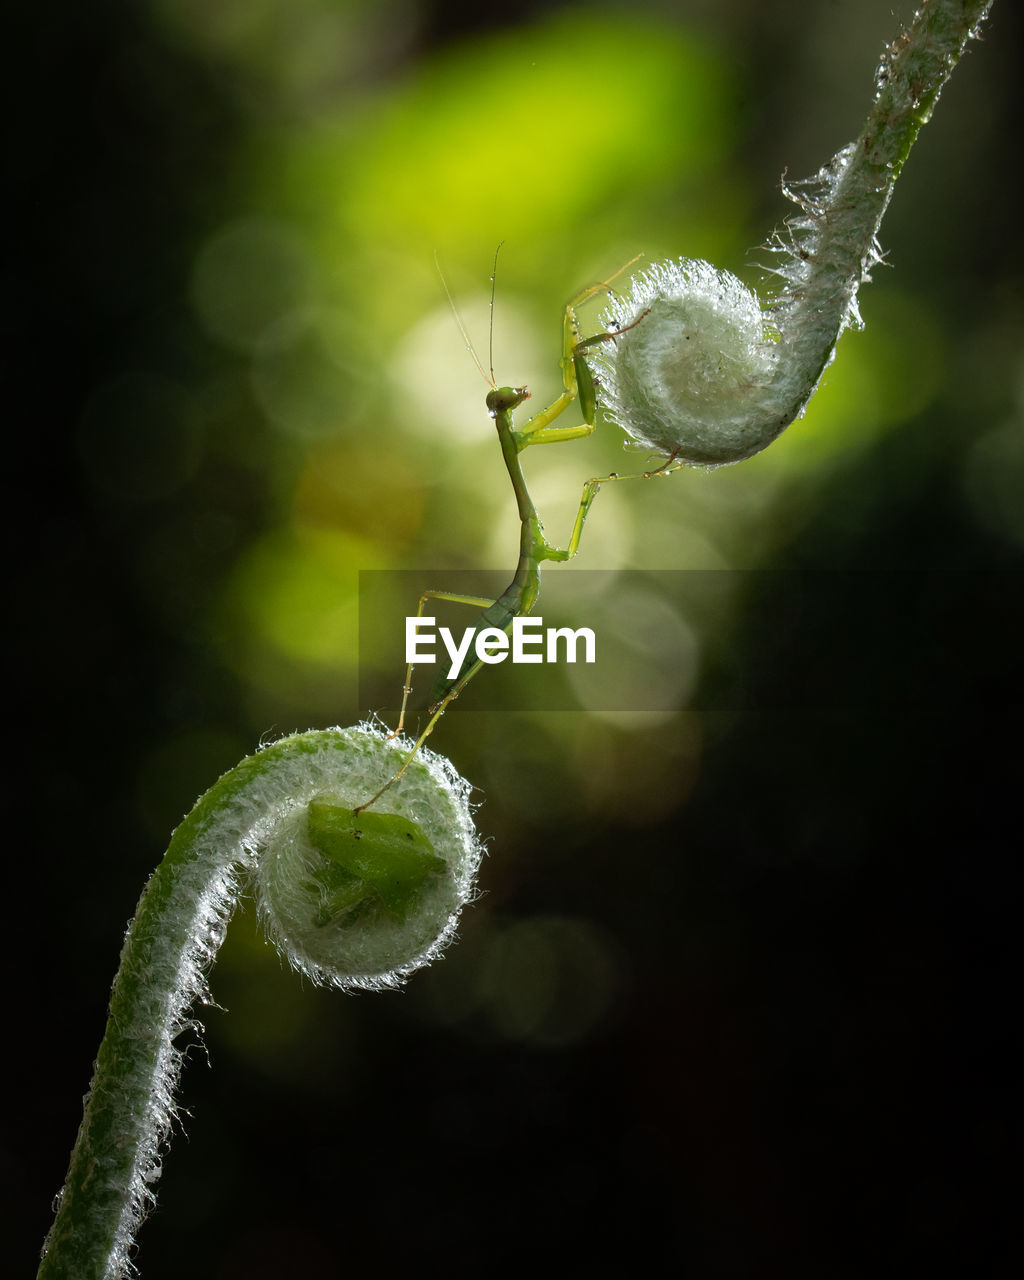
296 593
248 275
547 980
299 376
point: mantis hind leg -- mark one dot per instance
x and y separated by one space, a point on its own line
439 708
590 492
479 602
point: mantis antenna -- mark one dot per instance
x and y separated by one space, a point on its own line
490 332
461 324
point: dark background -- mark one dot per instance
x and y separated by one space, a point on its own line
738 997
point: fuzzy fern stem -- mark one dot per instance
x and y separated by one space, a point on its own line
263 818
833 243
707 373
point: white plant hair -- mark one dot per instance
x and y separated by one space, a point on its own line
705 372
248 825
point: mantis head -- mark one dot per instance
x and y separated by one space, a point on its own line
505 399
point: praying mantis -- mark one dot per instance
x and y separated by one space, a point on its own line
520 597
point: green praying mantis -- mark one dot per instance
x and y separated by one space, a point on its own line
378 860
520 597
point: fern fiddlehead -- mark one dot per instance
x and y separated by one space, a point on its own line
711 375
355 903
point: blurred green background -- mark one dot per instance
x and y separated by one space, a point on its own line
733 997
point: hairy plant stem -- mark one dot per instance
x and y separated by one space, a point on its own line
706 373
833 247
236 828
128 1111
